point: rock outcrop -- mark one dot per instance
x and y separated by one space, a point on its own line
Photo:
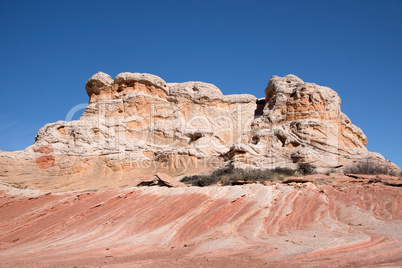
137 124
304 225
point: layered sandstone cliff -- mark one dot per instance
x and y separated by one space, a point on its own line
137 125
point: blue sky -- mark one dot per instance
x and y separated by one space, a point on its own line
49 49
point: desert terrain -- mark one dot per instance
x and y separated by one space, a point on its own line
85 193
332 221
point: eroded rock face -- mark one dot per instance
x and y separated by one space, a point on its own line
302 122
137 124
300 225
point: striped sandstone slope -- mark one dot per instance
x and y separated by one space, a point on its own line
251 225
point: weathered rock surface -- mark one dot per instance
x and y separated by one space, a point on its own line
300 225
139 130
138 125
159 179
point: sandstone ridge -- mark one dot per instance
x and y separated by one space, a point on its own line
139 125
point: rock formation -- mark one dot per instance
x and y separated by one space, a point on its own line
138 125
138 130
305 225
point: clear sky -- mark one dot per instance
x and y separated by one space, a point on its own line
49 49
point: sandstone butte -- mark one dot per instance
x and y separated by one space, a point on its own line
73 198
